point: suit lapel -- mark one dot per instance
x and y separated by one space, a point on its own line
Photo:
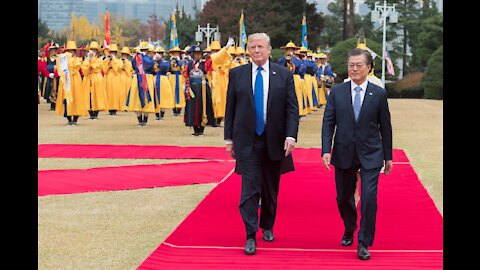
366 100
270 93
250 89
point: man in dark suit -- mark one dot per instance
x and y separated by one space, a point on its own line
357 113
261 125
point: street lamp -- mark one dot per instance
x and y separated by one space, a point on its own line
384 11
208 31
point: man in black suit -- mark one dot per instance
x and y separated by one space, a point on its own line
261 125
357 113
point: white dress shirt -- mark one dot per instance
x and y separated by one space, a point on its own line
362 92
265 76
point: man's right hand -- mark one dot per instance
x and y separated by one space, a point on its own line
326 160
230 150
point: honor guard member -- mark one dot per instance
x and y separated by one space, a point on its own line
163 89
112 67
239 58
221 64
177 81
295 65
94 82
187 55
302 54
324 73
126 74
42 70
141 95
51 75
71 98
310 82
198 109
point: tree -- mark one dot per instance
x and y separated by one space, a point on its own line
331 33
281 20
338 57
429 40
351 17
133 30
432 81
155 28
43 33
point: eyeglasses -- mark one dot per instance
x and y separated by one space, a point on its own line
358 65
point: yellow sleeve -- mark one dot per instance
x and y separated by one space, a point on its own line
117 65
86 67
127 66
220 58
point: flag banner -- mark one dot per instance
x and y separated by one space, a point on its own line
106 40
242 41
304 32
63 62
390 68
173 32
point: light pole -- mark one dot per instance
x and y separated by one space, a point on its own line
384 11
208 33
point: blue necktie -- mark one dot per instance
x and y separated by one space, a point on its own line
258 96
357 104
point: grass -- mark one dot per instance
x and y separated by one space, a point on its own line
118 230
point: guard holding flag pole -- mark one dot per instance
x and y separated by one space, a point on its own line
71 95
177 80
141 95
163 89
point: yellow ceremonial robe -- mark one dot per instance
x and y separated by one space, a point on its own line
77 104
113 84
94 84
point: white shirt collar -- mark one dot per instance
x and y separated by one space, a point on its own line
264 66
362 85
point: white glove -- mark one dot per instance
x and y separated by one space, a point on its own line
51 75
230 42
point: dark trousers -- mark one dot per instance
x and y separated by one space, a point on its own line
260 179
346 183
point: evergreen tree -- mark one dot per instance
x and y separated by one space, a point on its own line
432 81
281 20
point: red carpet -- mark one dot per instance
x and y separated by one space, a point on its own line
166 152
308 228
51 182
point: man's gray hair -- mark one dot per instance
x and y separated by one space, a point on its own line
260 36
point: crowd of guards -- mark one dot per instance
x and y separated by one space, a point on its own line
148 80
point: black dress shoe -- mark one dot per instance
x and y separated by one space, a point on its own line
268 235
347 239
363 253
250 247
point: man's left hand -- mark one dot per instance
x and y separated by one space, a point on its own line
388 167
289 146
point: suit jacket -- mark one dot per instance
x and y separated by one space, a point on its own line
282 111
370 137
